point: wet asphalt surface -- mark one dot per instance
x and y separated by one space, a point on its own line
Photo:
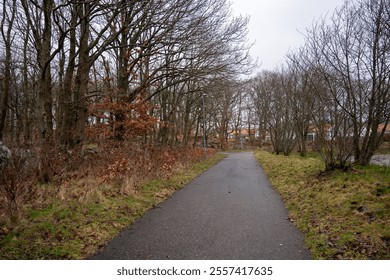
229 212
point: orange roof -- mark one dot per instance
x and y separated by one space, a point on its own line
382 125
243 132
313 128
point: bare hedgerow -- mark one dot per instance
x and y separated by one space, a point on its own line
16 186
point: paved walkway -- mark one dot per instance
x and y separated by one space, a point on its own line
381 160
228 212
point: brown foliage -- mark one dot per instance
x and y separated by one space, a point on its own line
120 120
123 165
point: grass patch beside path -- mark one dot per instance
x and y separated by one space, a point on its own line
78 228
342 215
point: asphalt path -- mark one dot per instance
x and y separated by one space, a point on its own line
229 212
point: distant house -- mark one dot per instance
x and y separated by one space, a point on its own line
382 126
244 133
386 134
313 132
267 137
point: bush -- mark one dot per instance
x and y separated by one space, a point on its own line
67 174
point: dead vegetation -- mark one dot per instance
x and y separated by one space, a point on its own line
105 187
35 179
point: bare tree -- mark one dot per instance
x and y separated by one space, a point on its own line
39 18
6 26
352 55
301 99
271 93
261 99
72 55
168 51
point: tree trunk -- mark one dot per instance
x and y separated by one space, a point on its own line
6 34
82 76
66 102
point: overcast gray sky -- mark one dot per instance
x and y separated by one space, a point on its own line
275 25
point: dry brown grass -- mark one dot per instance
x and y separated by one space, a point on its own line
79 211
73 175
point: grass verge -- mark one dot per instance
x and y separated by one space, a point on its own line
342 215
77 228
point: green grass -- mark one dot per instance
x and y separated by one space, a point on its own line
78 228
343 215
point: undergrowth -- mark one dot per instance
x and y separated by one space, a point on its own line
343 215
86 204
